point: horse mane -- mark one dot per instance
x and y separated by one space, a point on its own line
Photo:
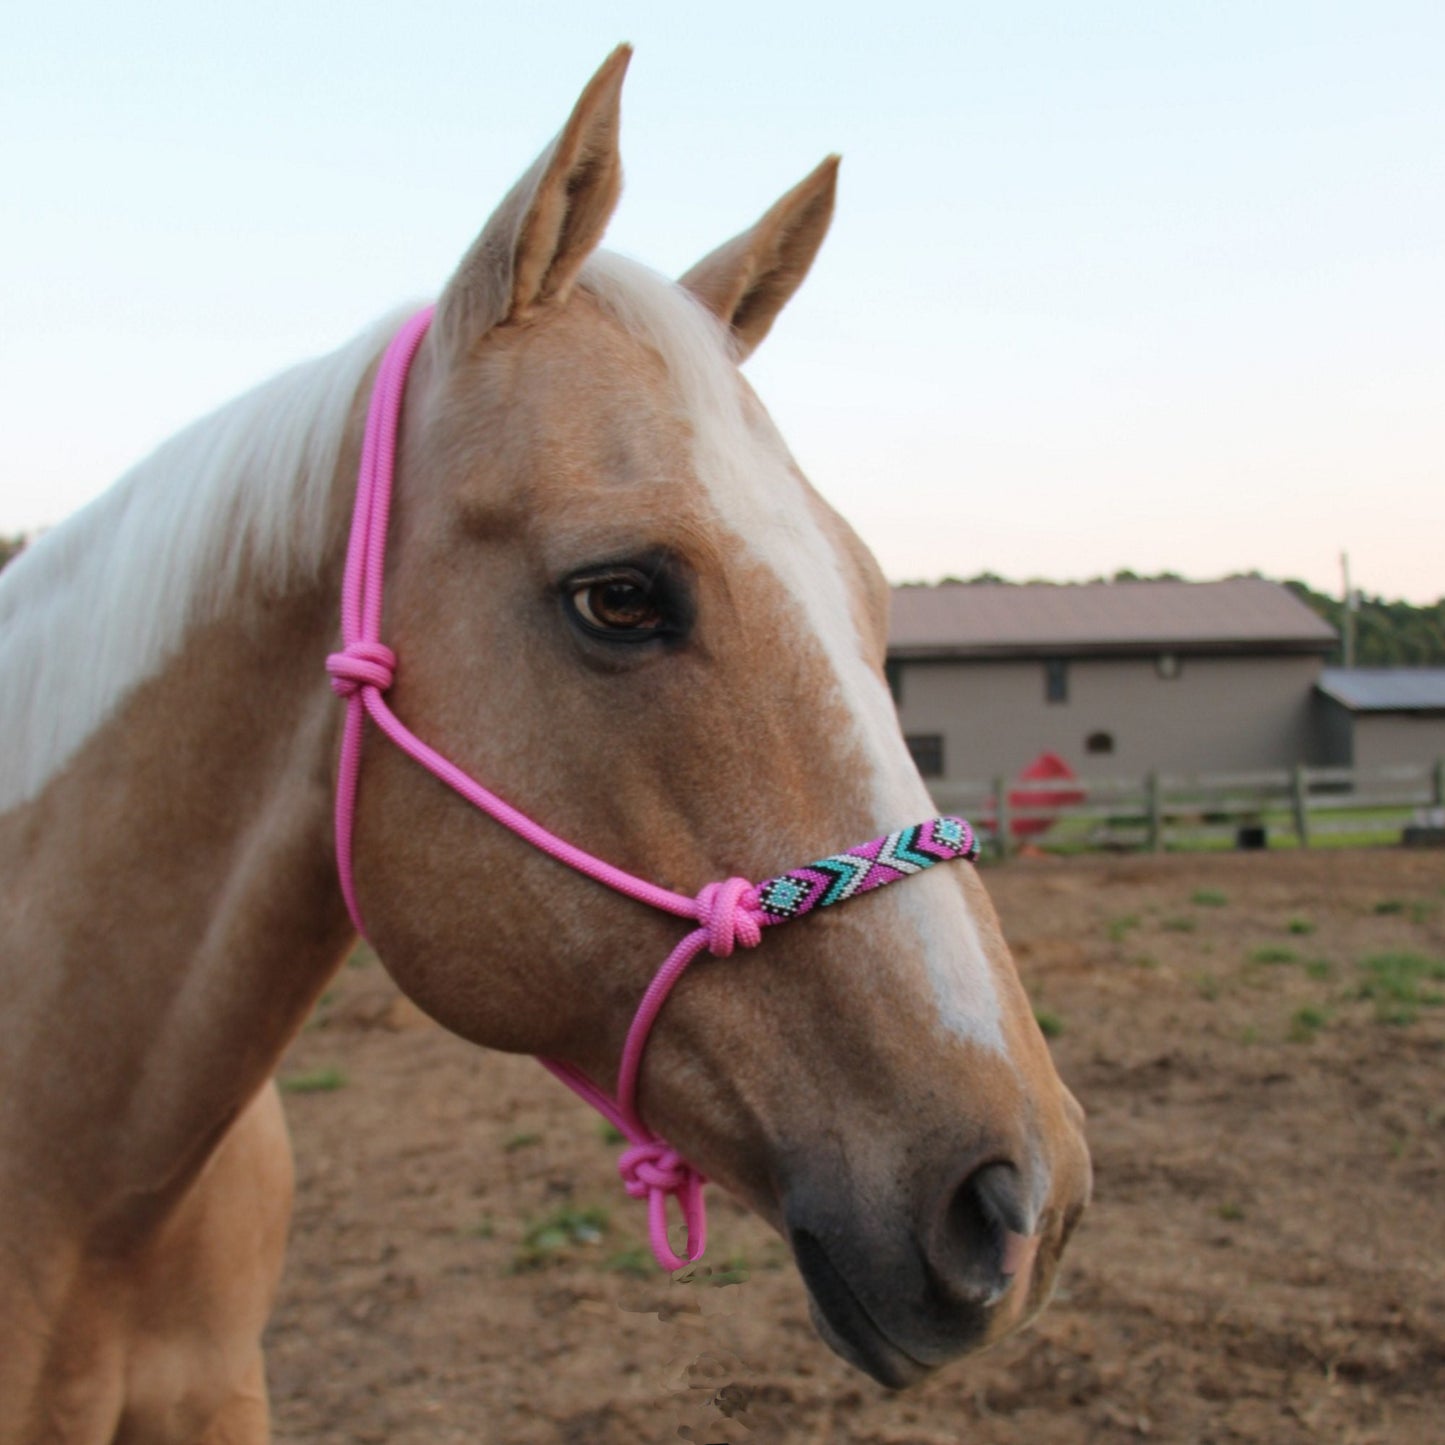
95 606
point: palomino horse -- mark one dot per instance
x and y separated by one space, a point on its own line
617 602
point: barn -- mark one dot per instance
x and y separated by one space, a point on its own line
1117 679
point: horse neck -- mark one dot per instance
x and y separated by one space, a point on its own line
174 903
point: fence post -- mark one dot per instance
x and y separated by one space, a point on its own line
1156 812
1301 793
1001 821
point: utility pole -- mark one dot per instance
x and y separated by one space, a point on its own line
1352 604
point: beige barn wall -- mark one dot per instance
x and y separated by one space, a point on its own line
1220 713
1387 739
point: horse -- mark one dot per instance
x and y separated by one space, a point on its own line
614 598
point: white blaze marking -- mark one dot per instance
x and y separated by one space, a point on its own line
750 480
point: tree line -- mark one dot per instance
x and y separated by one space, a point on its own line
1387 634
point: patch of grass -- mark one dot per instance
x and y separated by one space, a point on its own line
1422 912
1306 1022
1249 1034
1208 986
1300 926
1320 968
521 1141
609 1133
1230 1212
1397 982
734 1270
1184 923
1208 898
1390 906
1119 927
1146 960
313 1081
1273 953
547 1240
362 956
635 1263
1398 1015
1051 1025
484 1228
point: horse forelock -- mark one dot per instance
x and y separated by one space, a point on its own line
233 507
759 494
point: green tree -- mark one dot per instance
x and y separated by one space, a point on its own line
1387 634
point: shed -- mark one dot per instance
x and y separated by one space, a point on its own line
1371 717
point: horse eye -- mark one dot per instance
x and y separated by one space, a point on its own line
617 605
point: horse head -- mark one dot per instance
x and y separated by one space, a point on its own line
616 600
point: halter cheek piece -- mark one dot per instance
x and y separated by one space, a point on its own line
728 915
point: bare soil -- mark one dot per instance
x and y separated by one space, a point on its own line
1264 1259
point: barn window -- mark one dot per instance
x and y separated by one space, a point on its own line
927 750
1099 743
1056 679
1168 666
893 671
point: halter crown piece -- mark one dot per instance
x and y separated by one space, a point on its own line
727 915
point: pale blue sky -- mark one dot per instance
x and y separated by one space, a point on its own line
1146 285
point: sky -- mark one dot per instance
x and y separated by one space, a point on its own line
1152 285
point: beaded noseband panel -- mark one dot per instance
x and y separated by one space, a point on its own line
727 915
870 865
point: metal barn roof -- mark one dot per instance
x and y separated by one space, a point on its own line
1243 614
1385 689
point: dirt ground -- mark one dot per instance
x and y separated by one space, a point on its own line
1264 1259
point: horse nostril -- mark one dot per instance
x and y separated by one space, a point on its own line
986 1229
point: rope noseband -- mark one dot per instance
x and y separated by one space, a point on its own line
727 915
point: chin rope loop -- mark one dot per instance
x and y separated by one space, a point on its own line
656 1172
726 916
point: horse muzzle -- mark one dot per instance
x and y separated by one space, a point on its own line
901 1297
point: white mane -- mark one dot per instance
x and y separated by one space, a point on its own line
92 609
96 606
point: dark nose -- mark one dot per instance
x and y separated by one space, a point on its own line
982 1238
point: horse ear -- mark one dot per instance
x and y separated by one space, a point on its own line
747 281
529 253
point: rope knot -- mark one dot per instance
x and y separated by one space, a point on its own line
361 664
653 1166
730 914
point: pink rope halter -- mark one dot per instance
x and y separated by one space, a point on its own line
728 915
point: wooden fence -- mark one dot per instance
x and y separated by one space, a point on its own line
1298 807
